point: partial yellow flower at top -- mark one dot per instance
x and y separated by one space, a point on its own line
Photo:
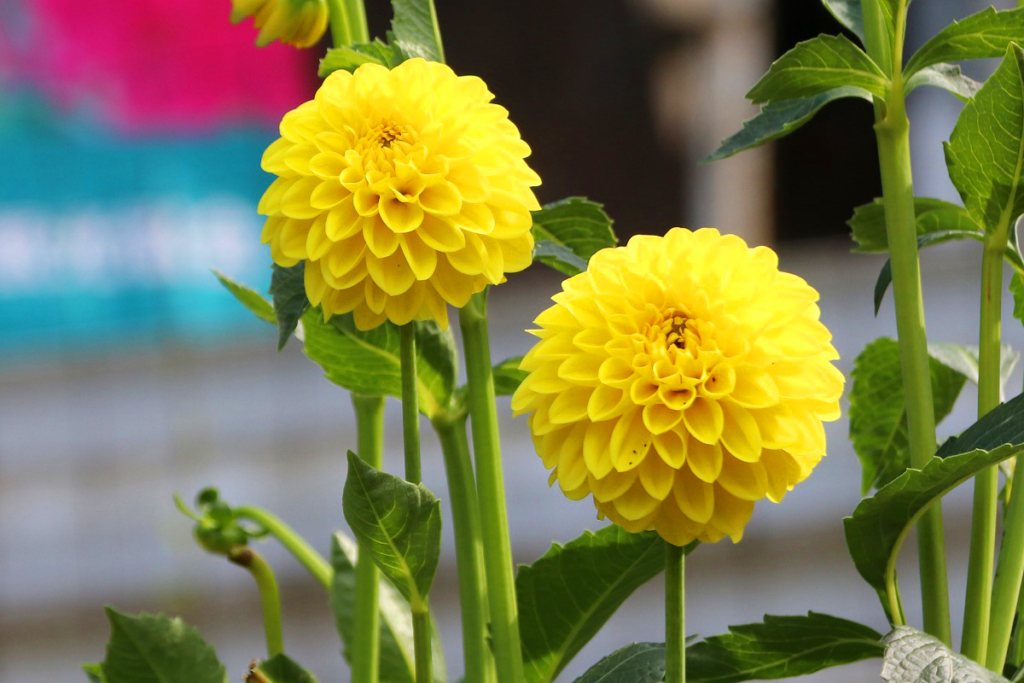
679 380
296 22
402 190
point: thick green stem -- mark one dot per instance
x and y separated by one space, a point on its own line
302 551
421 644
348 22
491 489
410 406
366 631
270 597
892 130
1009 571
978 617
675 614
469 550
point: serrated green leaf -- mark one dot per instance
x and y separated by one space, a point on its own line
415 28
288 292
985 152
877 528
948 77
249 298
283 669
915 657
781 647
397 654
370 362
817 66
568 232
984 35
867 224
779 119
151 648
94 672
508 376
568 594
351 57
878 418
400 524
636 663
848 13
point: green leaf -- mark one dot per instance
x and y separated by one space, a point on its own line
370 362
779 119
933 216
151 648
877 528
94 672
351 57
878 418
283 669
568 594
817 66
416 30
781 647
964 359
915 657
397 655
985 152
948 77
249 298
568 232
400 524
288 291
508 376
636 663
984 35
1017 287
849 14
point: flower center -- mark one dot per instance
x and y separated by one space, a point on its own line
386 133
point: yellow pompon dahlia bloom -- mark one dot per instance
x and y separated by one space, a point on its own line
679 380
402 190
296 22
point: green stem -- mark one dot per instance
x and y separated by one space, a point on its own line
270 597
422 643
410 406
675 614
1009 569
366 632
978 617
302 551
892 129
491 489
348 22
468 549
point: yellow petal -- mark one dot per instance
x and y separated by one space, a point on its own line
740 433
296 200
441 234
630 441
660 419
422 259
597 448
343 221
671 447
400 216
695 498
704 420
703 460
656 477
392 274
380 239
745 480
328 194
442 198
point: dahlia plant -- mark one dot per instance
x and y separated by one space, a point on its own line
676 381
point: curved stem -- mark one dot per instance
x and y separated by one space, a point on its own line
469 551
302 551
483 412
892 130
348 22
675 614
270 597
366 627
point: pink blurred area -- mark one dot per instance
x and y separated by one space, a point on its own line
155 65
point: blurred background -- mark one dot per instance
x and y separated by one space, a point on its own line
131 133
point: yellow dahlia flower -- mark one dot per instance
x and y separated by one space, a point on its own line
679 380
296 22
402 190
